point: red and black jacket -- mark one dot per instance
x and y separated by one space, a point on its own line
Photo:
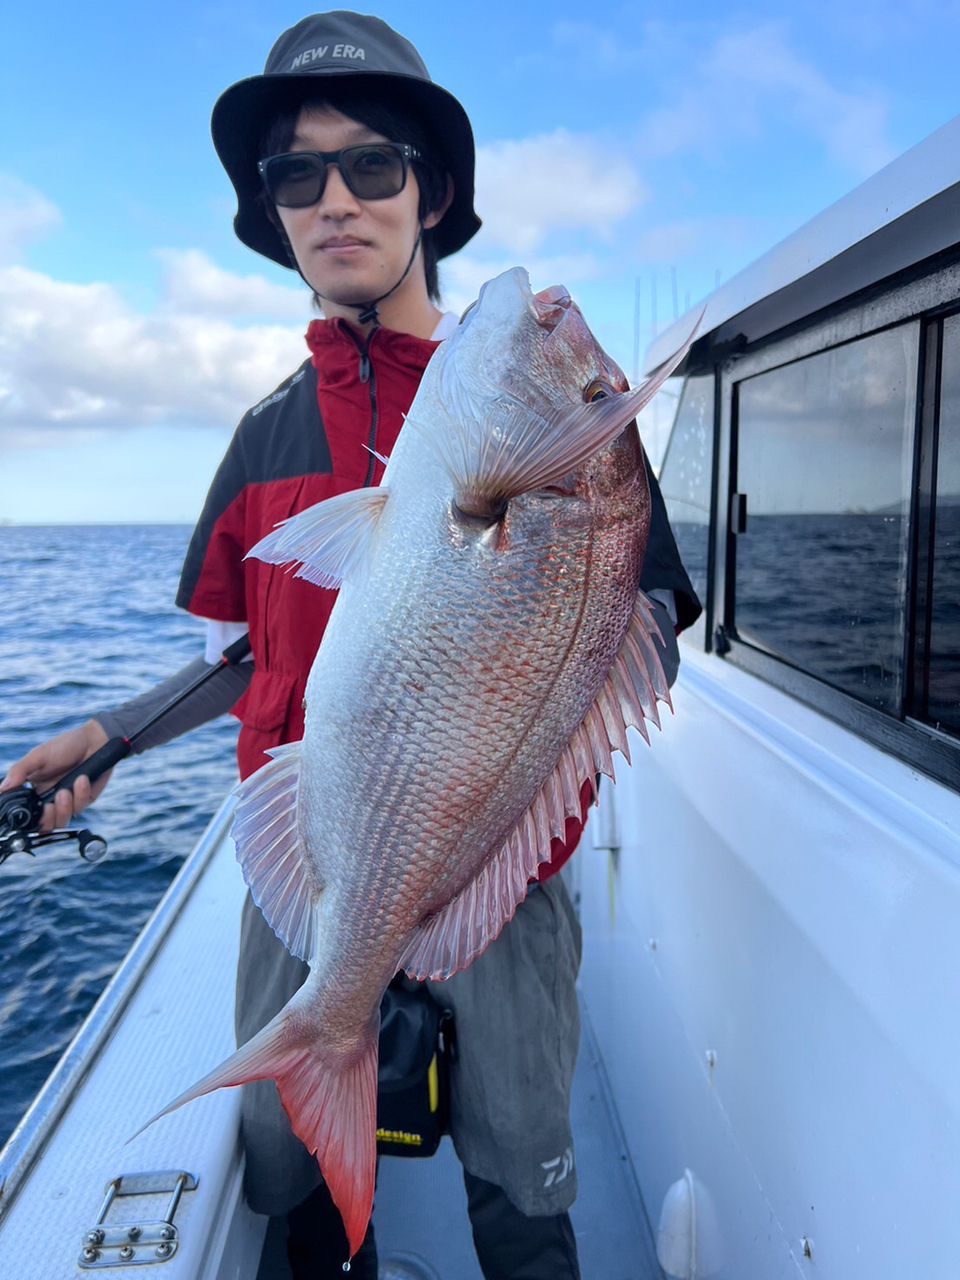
307 441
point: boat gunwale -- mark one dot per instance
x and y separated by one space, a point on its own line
28 1140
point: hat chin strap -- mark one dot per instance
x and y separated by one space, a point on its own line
367 311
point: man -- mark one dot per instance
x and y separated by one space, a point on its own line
354 169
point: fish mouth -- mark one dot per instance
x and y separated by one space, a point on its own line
550 305
567 332
564 338
568 336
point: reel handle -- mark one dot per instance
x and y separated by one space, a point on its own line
93 767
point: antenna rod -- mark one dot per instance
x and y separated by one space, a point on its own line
636 332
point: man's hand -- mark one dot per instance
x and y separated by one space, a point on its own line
54 759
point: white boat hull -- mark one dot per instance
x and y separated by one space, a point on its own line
771 966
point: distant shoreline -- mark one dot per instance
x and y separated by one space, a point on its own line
95 524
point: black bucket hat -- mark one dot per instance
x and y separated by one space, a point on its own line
355 49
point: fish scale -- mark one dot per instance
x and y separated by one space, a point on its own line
486 653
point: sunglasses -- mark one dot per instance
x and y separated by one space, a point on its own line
373 171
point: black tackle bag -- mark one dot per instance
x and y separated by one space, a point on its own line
416 1048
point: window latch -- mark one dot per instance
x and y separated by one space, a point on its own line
738 513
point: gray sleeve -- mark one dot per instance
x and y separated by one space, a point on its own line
669 650
212 699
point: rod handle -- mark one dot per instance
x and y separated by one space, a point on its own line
93 767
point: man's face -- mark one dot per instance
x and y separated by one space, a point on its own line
350 250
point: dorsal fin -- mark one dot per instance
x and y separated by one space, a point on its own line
453 938
330 540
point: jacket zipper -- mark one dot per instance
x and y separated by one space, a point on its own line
368 376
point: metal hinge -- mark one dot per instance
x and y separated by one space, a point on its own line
130 1244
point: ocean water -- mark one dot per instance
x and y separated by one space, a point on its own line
826 593
88 622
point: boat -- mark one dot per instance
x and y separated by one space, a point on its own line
771 953
768 1084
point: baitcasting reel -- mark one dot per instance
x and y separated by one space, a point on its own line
20 814
22 809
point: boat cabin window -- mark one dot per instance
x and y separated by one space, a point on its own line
828 458
686 477
823 460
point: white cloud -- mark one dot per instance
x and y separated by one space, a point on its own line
77 360
851 125
682 239
590 45
195 285
25 215
752 83
78 356
560 181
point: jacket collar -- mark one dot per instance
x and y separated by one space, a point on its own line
333 341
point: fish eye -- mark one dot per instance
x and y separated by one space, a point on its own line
598 389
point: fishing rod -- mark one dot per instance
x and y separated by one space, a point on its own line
21 809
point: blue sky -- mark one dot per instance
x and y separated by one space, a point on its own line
616 143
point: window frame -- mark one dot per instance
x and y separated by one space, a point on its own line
926 299
699 633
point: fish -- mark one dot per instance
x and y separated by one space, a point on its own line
486 654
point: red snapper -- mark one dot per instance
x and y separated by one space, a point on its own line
487 651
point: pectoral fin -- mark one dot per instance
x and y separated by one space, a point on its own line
510 448
330 540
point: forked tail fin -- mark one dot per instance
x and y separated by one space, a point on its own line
331 1104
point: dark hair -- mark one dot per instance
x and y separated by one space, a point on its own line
396 124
